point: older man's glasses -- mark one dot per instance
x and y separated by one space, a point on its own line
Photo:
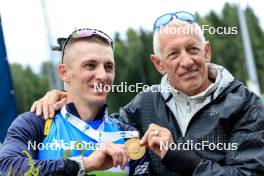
168 17
85 33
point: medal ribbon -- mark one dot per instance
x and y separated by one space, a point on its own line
99 135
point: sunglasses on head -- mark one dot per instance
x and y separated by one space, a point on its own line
168 17
85 33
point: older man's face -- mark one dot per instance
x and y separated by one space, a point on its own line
184 58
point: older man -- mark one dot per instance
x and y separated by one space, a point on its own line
199 120
82 138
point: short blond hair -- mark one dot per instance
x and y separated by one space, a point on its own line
91 39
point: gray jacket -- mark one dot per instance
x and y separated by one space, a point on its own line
234 119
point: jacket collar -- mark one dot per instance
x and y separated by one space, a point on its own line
70 107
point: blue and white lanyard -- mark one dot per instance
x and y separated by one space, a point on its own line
99 135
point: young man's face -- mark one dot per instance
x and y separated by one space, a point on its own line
91 64
184 58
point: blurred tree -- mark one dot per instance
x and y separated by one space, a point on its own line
132 65
28 86
227 50
257 40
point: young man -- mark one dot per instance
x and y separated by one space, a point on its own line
212 123
82 138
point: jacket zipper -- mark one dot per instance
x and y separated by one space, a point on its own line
189 106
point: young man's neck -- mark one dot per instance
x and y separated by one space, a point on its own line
86 111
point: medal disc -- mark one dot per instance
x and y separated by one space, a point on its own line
135 150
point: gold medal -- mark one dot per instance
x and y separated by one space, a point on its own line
135 150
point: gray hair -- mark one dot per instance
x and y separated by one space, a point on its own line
179 23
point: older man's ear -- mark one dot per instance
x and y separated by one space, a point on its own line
207 50
157 63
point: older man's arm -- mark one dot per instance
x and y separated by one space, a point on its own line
248 133
247 159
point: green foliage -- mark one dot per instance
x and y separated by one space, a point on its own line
28 86
257 40
77 145
10 171
227 50
132 65
32 171
66 154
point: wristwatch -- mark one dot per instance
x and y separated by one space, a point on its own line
78 159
